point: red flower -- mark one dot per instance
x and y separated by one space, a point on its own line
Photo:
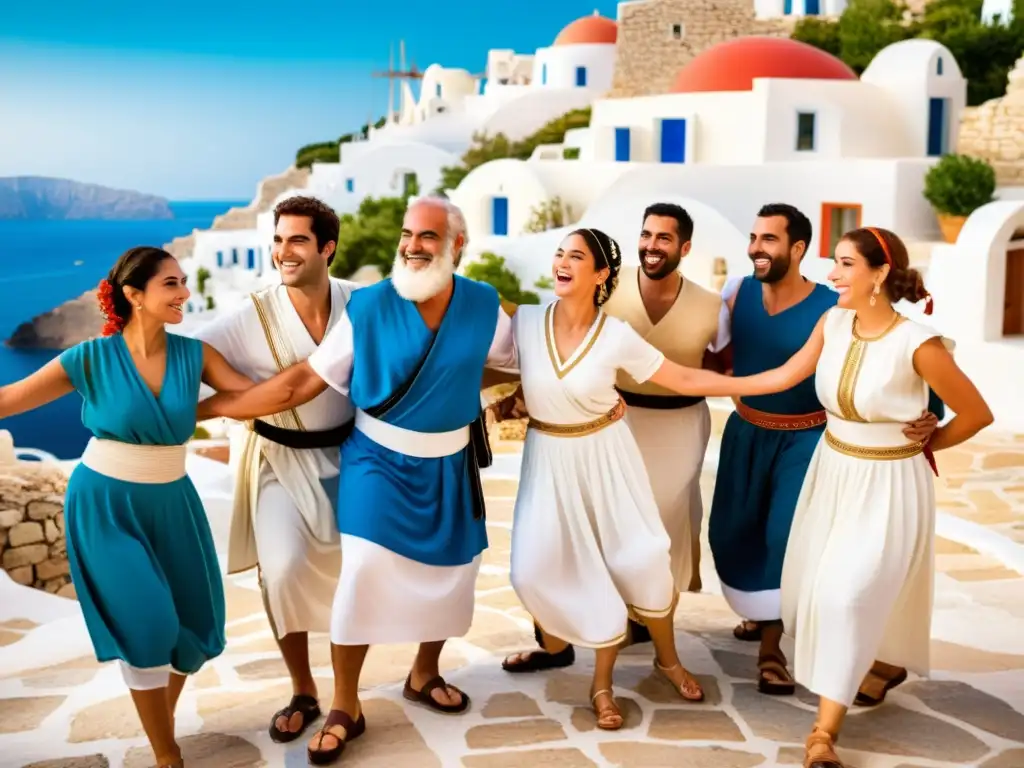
105 295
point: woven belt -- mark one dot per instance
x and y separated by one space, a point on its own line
579 430
874 453
780 421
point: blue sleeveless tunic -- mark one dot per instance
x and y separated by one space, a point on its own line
761 471
141 554
419 508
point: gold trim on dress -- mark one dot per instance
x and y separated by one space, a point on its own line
579 430
852 363
269 333
587 344
873 454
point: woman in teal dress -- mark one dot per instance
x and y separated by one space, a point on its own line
139 544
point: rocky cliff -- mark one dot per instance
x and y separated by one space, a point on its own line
80 319
994 131
37 197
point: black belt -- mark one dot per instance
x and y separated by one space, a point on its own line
658 402
294 438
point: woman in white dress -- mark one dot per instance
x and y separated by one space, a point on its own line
589 549
857 578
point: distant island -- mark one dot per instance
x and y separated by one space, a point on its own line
42 198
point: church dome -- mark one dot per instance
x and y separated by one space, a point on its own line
589 29
733 65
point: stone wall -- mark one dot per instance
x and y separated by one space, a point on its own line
648 54
32 546
994 131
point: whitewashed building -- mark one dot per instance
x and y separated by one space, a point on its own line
749 121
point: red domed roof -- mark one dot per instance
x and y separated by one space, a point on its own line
589 29
734 64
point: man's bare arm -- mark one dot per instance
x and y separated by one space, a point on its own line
291 388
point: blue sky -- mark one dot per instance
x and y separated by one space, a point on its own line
200 100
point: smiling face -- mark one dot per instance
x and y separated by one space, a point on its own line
296 254
855 279
574 269
164 296
426 257
660 247
770 249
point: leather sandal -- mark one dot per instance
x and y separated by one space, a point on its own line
539 660
609 717
820 750
775 664
864 699
690 689
749 631
423 697
353 730
305 705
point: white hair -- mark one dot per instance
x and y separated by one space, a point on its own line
456 220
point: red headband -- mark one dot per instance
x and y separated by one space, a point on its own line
888 260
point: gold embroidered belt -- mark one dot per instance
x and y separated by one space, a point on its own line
779 421
873 453
579 430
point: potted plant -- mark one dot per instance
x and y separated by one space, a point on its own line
956 186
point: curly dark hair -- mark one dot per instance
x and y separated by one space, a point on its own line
324 221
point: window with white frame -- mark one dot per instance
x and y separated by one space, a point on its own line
805 131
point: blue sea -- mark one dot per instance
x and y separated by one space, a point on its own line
45 263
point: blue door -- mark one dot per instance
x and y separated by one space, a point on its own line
936 127
220 258
581 77
499 215
234 256
811 8
673 141
787 7
622 145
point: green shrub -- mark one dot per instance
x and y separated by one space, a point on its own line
958 185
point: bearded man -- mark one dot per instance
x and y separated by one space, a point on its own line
768 442
410 353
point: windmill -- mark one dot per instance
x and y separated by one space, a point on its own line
393 74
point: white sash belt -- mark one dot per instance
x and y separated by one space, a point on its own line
135 463
422 445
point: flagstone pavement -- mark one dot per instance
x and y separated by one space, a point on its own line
77 714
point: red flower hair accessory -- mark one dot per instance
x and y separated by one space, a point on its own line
105 295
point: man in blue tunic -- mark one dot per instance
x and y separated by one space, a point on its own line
410 352
768 442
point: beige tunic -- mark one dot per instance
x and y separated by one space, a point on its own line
283 517
673 441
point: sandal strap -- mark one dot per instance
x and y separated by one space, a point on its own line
337 717
603 690
433 684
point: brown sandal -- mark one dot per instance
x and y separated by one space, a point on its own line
353 730
690 689
749 631
774 664
820 750
609 717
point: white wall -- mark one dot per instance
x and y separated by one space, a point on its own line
1002 8
520 117
722 128
379 172
909 72
555 66
853 119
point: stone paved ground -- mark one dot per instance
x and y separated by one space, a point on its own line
77 715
